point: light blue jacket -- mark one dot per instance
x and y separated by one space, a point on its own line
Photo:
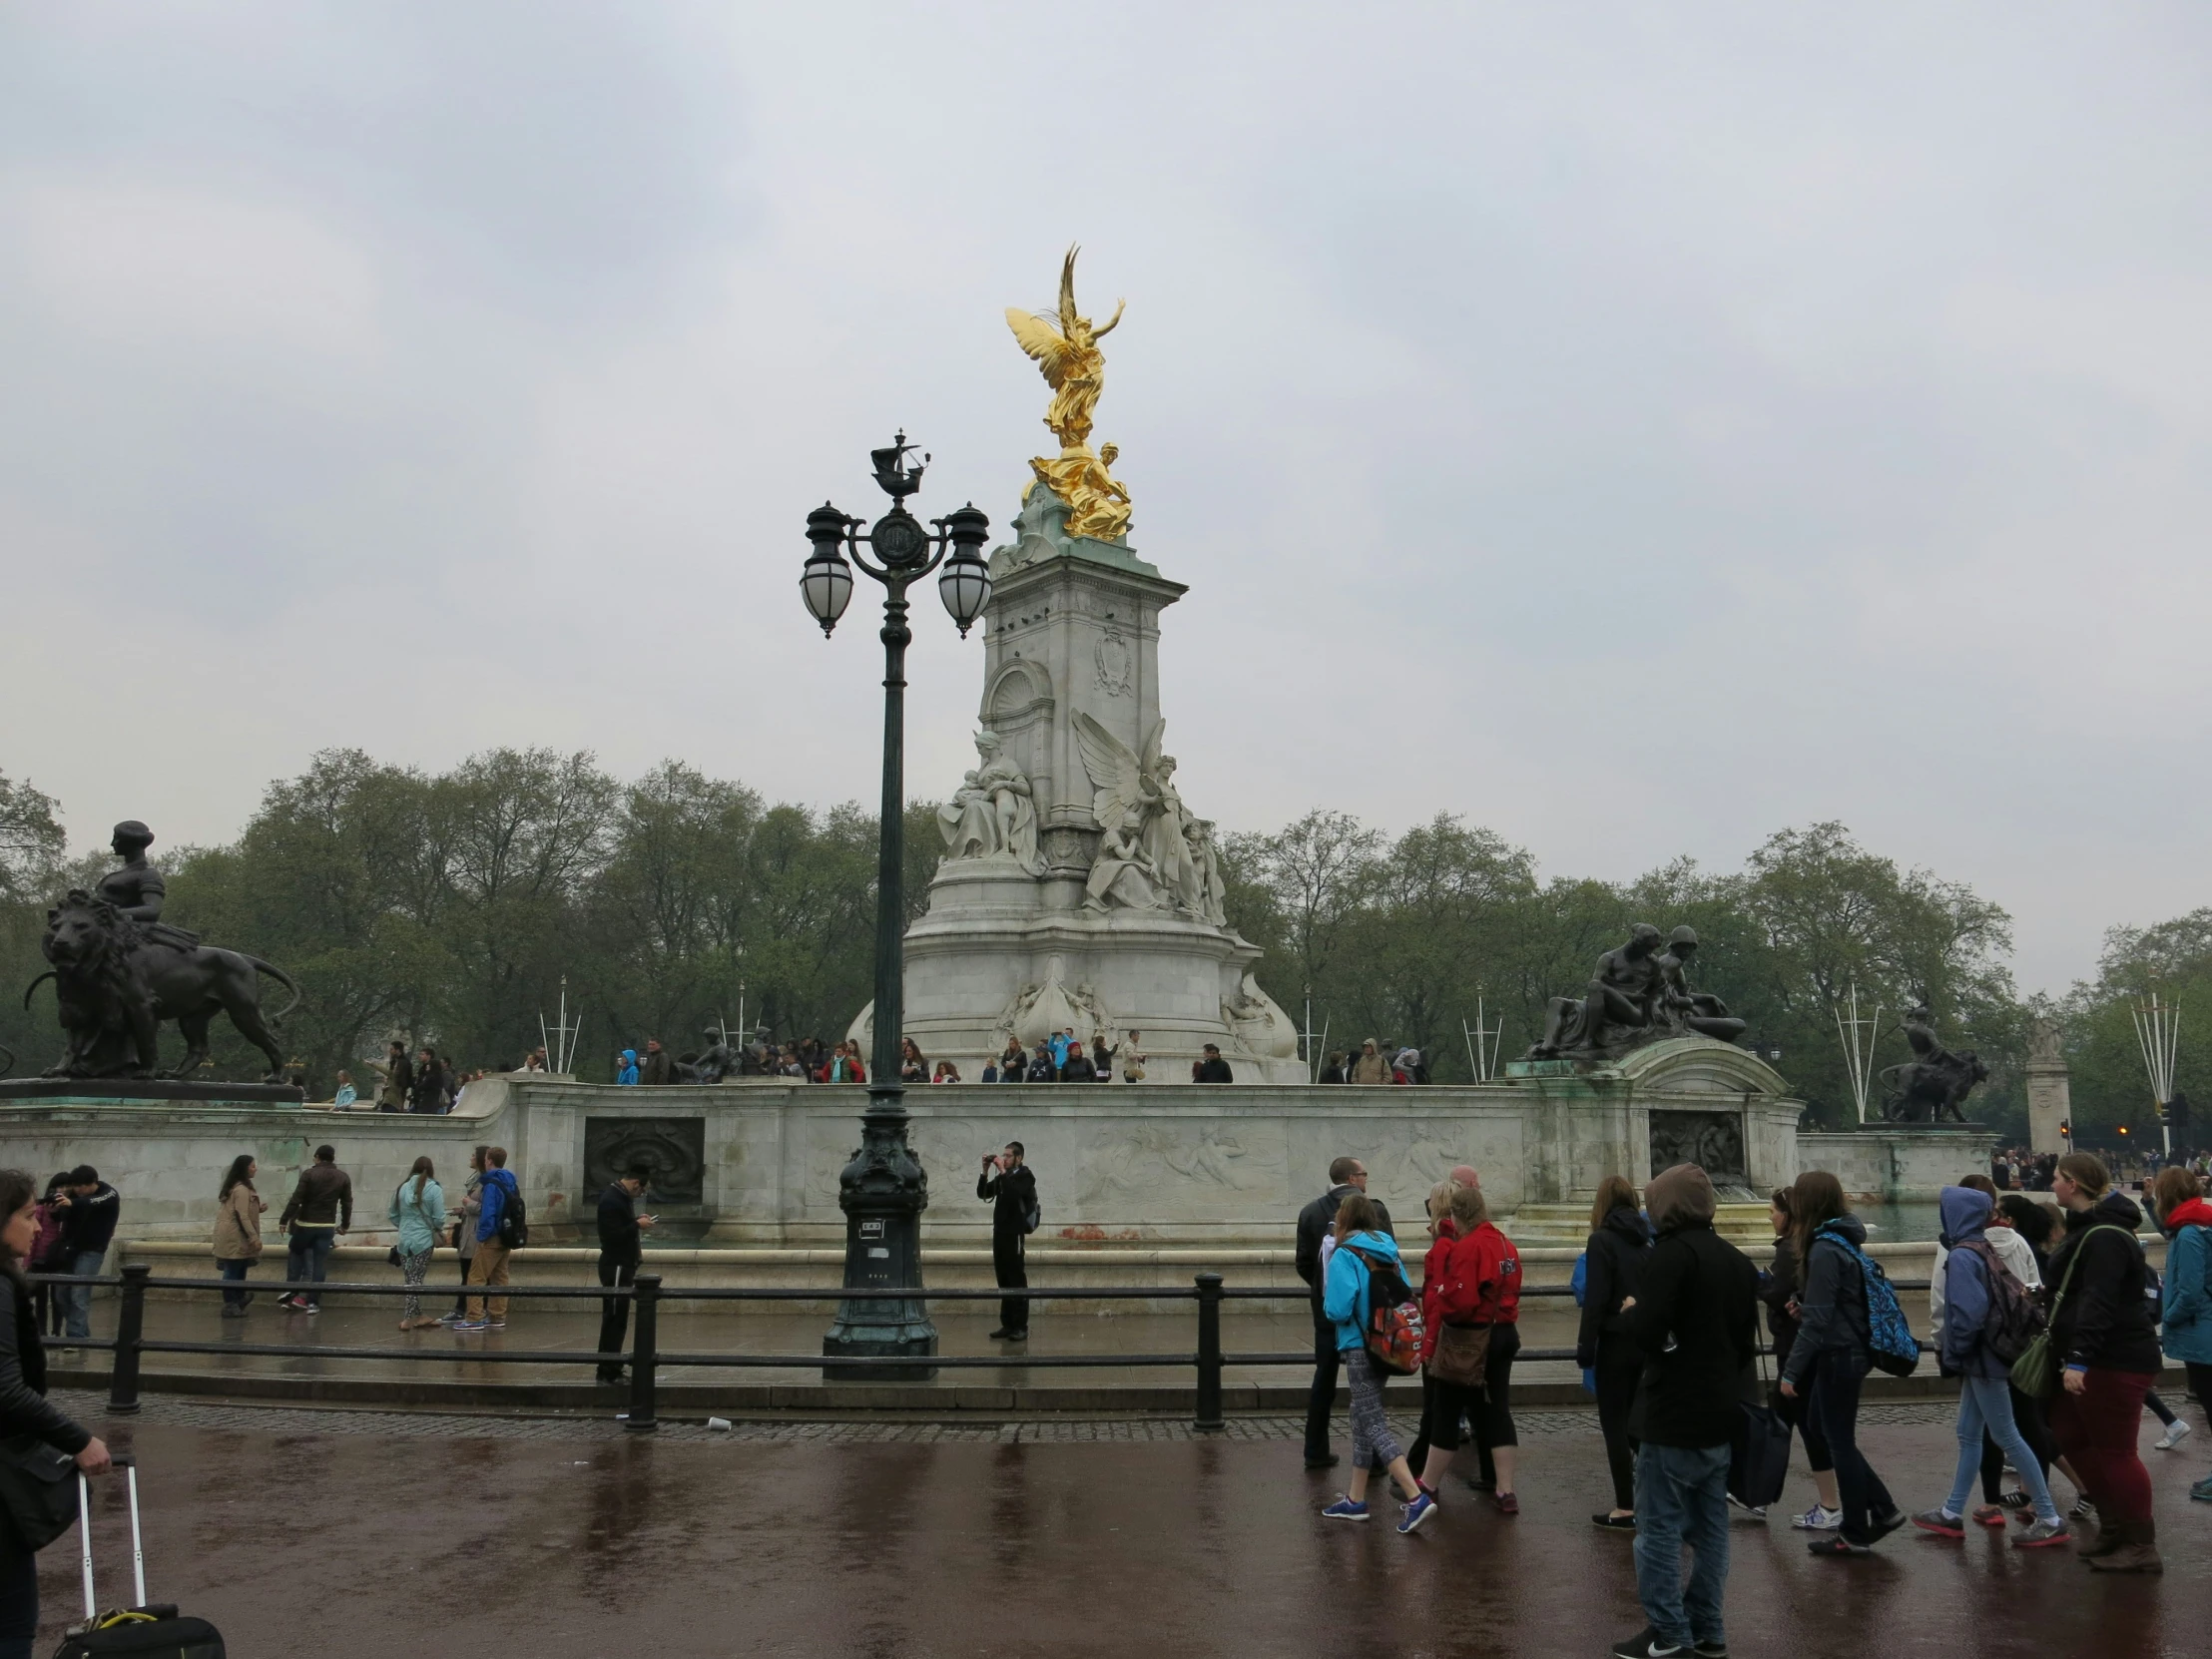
419 1223
2187 1333
1344 1295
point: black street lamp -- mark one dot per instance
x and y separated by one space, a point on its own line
883 1190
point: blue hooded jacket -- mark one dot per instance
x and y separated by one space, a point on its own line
1960 1347
1343 1296
499 1186
627 1073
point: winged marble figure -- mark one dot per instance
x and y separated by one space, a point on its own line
1144 857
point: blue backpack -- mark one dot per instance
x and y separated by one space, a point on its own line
1895 1350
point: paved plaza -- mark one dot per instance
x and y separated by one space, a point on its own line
315 1533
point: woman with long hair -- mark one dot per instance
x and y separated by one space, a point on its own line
1479 1285
24 1409
1440 1234
1615 1251
1832 1353
2100 1325
464 1229
237 1232
1778 1288
418 1211
1362 1244
912 1068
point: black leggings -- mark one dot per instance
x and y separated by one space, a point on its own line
18 1596
1619 1368
1490 1413
2035 1430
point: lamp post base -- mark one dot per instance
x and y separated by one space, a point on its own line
882 1192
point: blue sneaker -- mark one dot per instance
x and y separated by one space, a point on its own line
1345 1509
1415 1512
2202 1490
470 1325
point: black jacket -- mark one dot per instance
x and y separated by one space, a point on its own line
1616 1254
89 1222
657 1068
1696 1319
1832 1305
1777 1287
618 1223
1013 1195
22 1406
2106 1319
427 1093
1314 1223
1214 1070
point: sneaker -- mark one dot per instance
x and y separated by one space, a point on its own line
233 1313
2041 1534
1753 1511
1880 1526
1988 1515
1817 1519
1345 1509
2176 1432
1413 1513
1614 1523
1715 1649
1435 1496
1645 1644
2083 1510
1941 1522
2202 1490
1328 1460
495 1325
2017 1504
311 1308
470 1325
1838 1545
1507 1503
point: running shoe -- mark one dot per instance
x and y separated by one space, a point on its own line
2083 1510
1988 1515
1614 1523
2202 1490
2176 1432
1345 1509
468 1324
1880 1526
1646 1644
1507 1503
1817 1519
1941 1522
1837 1545
1412 1514
2043 1534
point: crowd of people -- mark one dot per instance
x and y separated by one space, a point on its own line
1670 1344
1377 1062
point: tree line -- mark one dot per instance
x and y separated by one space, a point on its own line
452 908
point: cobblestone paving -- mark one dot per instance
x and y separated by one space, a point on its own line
174 1413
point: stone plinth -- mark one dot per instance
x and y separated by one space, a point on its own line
1897 1162
2050 1092
69 1091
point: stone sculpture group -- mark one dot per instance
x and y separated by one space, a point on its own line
1638 993
993 813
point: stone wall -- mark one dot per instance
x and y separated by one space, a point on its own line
1898 1164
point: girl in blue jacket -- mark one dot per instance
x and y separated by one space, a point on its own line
1343 1303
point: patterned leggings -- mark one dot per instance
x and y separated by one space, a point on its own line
1372 1445
413 1269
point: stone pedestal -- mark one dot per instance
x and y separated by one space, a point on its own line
2050 1092
1014 942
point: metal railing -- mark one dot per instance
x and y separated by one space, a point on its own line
645 1357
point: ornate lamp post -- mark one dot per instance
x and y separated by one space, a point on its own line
883 1190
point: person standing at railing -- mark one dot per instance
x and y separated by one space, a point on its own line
621 1248
489 1267
419 1213
89 1210
1314 1222
320 1209
1009 1186
25 1410
464 1232
237 1232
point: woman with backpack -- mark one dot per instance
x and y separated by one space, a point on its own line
1777 1289
1364 1246
1618 1244
1832 1353
2177 1200
2100 1327
1984 1306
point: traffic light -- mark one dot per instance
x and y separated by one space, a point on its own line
2177 1111
2065 1129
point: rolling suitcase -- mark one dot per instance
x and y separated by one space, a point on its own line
147 1630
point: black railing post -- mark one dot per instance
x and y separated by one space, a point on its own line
645 1354
130 1329
1208 1420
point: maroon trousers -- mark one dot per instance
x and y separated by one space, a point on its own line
2097 1432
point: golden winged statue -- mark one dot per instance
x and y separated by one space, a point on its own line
1065 347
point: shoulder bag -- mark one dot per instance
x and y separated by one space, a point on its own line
2035 1371
38 1489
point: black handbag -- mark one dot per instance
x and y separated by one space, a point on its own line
1759 1456
38 1489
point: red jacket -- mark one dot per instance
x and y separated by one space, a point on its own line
1469 1281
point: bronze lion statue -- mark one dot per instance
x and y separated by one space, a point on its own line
115 986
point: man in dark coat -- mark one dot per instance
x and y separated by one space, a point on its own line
1346 1175
1213 1069
1696 1320
1010 1187
658 1066
621 1247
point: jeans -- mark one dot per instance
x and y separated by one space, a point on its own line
1321 1398
2097 1432
307 1258
1833 1403
1986 1403
1682 1498
235 1272
2033 1423
614 1313
75 1299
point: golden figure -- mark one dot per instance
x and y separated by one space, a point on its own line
1066 349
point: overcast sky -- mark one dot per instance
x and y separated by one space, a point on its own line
1633 428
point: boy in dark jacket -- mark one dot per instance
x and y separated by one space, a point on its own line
88 1208
1696 1322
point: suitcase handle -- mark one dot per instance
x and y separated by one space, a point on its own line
129 1463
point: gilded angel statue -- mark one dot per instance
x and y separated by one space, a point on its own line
1065 347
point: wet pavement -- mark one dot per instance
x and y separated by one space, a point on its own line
317 1533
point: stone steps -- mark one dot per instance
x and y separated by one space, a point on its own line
1744 1225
